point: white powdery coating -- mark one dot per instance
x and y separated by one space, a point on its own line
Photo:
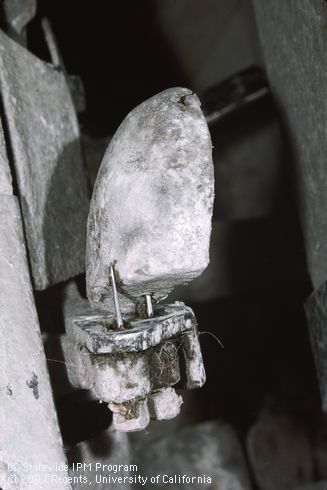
164 404
152 203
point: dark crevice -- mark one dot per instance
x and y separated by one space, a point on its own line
9 147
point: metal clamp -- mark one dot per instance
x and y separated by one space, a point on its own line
133 369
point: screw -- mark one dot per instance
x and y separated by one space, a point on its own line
148 303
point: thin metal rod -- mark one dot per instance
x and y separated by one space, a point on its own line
52 44
119 318
149 307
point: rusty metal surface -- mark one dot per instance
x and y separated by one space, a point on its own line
45 145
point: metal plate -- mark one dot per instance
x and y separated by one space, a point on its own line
93 333
45 147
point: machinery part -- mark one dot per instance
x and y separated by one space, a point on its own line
299 87
233 94
164 404
134 369
130 416
51 41
149 307
148 230
151 208
119 319
74 82
44 145
18 14
30 436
